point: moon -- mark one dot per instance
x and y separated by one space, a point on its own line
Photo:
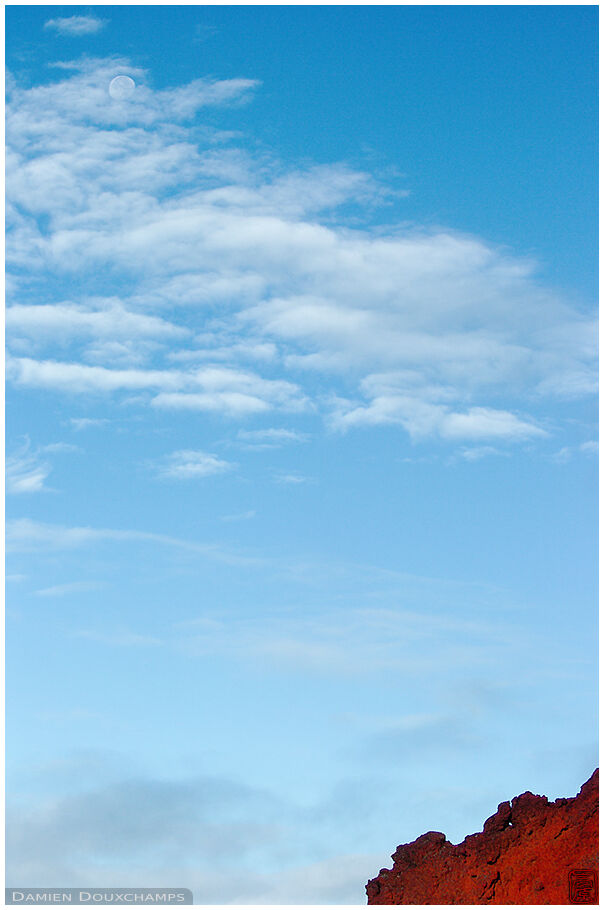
121 87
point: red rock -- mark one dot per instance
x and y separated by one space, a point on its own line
523 856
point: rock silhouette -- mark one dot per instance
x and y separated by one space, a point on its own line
523 856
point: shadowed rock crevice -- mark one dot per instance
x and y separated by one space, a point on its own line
523 856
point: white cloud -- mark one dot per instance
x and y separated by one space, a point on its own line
76 25
437 332
244 350
475 453
210 388
234 392
120 354
293 478
426 410
83 423
189 464
77 378
197 288
233 403
25 472
423 418
109 319
487 423
79 103
25 534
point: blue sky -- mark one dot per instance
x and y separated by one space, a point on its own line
301 436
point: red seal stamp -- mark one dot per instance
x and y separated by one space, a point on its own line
583 886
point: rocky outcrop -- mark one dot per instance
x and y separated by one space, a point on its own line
523 856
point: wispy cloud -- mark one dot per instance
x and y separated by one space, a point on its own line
70 587
189 464
294 478
357 642
24 534
565 454
84 423
590 447
270 438
119 639
76 26
239 516
60 448
25 471
475 453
